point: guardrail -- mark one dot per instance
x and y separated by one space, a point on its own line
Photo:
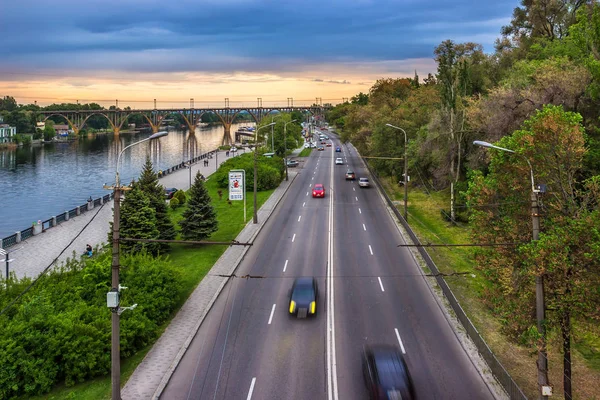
52 222
500 373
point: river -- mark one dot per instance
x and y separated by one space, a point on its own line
39 181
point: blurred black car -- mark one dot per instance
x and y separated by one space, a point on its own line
386 373
169 192
303 297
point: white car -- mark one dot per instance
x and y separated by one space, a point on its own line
233 149
306 145
339 161
363 182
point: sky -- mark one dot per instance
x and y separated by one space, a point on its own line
135 51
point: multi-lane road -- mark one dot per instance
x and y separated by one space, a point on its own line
370 292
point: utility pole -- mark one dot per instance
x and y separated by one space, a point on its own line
255 217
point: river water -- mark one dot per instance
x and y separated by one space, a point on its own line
40 181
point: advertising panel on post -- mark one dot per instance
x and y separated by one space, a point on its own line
237 183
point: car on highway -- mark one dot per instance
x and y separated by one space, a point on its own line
328 144
350 175
318 190
303 297
364 182
338 149
320 148
307 145
339 161
292 163
386 373
169 193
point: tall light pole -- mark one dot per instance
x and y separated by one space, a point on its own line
273 133
405 171
255 218
113 295
285 147
542 362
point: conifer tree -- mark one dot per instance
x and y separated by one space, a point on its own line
138 220
156 193
199 218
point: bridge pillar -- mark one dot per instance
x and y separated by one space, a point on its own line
227 135
191 127
116 130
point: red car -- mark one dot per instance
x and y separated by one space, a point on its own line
328 145
319 190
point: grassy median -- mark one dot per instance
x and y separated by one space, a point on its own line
194 262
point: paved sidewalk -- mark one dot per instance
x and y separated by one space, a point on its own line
32 256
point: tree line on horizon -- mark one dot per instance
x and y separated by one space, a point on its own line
537 94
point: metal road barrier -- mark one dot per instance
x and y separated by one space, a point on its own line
500 373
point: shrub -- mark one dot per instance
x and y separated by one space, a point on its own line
180 196
174 203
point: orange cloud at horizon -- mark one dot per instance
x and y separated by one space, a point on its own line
330 83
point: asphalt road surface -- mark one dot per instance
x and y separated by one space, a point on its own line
370 292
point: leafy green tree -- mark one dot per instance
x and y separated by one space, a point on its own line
8 103
49 131
148 183
553 142
199 218
362 99
138 221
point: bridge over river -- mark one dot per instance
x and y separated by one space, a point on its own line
117 117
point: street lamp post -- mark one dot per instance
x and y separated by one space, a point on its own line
255 218
405 171
116 310
542 362
285 147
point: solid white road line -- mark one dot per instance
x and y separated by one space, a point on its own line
364 227
272 311
299 217
381 284
285 266
294 238
400 341
251 389
370 249
332 389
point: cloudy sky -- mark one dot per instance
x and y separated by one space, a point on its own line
173 50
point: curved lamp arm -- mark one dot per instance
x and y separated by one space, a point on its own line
154 136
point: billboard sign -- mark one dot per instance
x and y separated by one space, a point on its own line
237 183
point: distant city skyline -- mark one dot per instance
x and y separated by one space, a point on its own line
137 51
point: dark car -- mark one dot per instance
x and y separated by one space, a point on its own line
303 297
338 149
169 192
292 163
386 373
350 175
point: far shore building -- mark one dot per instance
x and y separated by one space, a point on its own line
7 132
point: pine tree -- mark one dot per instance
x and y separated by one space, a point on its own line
138 221
199 218
156 193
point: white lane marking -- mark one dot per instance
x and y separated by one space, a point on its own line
294 238
370 249
309 185
353 188
299 217
332 388
400 341
307 193
251 389
303 204
381 284
356 198
272 311
312 178
285 266
359 211
364 227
